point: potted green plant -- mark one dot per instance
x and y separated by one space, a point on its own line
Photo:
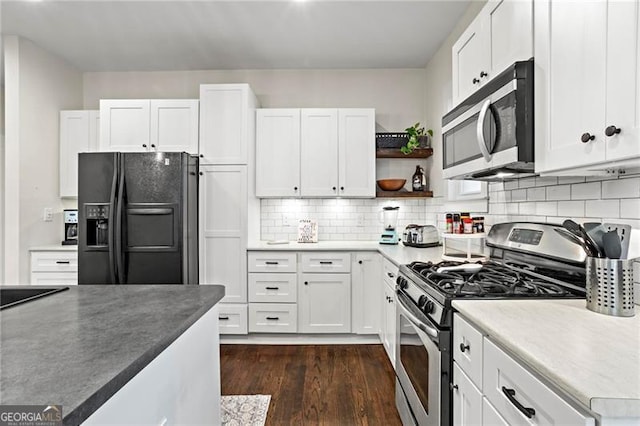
416 133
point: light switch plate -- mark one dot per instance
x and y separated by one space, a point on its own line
48 214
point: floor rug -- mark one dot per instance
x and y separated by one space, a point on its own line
244 410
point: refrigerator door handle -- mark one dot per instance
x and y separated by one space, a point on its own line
111 217
119 252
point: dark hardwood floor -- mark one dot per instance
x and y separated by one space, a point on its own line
314 384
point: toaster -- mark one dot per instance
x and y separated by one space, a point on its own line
420 236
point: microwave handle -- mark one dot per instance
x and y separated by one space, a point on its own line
480 133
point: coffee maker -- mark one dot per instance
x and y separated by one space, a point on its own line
70 227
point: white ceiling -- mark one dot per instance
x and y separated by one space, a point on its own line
188 35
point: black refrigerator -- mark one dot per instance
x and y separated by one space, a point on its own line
138 218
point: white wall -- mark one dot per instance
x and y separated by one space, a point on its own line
1 175
396 94
38 86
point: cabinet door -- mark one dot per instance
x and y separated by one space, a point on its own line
366 290
509 25
467 400
389 325
278 153
74 138
490 416
324 303
318 152
357 152
226 111
94 131
223 216
570 42
623 80
124 125
470 58
174 125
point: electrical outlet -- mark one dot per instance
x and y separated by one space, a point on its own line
285 219
360 219
48 214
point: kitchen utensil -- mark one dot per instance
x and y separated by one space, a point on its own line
574 239
465 267
610 285
612 245
391 184
389 218
624 232
596 230
580 232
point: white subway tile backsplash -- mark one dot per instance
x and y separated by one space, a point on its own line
527 182
536 194
519 195
558 192
568 209
630 209
511 184
528 208
547 208
546 180
586 191
570 179
602 208
621 188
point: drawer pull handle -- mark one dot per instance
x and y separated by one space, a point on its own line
62 262
511 396
463 347
273 288
390 275
326 262
223 318
273 318
270 263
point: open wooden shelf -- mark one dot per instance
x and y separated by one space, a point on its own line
396 153
403 194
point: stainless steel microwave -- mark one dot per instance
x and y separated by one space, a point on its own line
489 136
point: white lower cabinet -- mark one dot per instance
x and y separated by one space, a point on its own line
366 289
54 267
502 392
387 306
273 318
467 400
324 303
232 318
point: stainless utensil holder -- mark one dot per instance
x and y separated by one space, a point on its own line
610 286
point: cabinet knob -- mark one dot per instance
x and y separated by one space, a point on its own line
611 130
153 146
295 188
201 155
334 188
463 347
342 188
586 137
390 299
483 74
475 80
201 174
360 262
192 173
144 145
453 387
306 283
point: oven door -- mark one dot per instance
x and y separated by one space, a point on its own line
418 363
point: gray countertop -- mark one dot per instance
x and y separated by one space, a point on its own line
78 347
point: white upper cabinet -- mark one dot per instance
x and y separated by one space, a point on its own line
319 152
227 123
139 125
587 86
315 152
78 133
501 34
278 153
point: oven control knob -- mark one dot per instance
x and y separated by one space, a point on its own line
402 282
428 307
422 300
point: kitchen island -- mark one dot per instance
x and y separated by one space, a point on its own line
93 348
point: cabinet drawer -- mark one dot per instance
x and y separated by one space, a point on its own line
273 318
490 416
272 288
389 272
232 319
508 384
54 278
54 261
467 349
325 262
268 261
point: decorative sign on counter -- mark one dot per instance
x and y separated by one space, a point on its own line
308 231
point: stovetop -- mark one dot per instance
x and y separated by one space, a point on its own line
492 280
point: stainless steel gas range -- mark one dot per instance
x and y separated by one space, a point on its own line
526 260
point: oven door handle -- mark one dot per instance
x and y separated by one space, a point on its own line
482 143
404 303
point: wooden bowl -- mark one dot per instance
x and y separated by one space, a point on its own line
391 184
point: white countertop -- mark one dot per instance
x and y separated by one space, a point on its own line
399 254
52 247
594 358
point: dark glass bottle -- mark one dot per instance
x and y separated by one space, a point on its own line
419 180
